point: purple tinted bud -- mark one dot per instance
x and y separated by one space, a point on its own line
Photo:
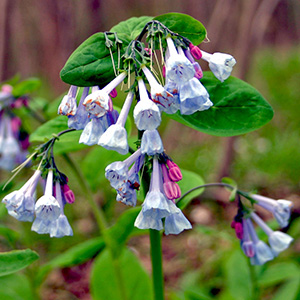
195 51
174 171
68 194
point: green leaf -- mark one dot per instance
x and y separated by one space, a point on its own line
238 108
67 143
135 279
74 256
185 25
90 64
131 27
9 234
238 277
289 290
25 87
189 181
13 261
15 287
277 273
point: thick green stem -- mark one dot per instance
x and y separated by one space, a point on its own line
157 268
102 224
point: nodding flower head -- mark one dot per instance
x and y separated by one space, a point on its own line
146 113
151 143
178 68
93 131
68 105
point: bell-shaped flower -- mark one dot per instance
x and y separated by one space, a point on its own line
146 114
176 222
99 102
281 209
187 53
68 105
61 226
93 131
278 241
151 143
193 97
162 97
263 253
156 204
115 137
247 244
117 172
178 68
80 119
148 222
221 64
47 209
9 144
172 105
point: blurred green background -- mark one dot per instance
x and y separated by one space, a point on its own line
36 38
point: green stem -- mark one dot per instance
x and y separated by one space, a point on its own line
102 224
157 269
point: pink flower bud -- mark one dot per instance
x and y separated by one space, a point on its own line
68 194
113 93
198 71
233 224
7 88
110 105
195 51
248 248
25 143
15 125
174 171
17 103
164 70
239 230
172 190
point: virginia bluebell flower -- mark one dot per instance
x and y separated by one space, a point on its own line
151 143
146 113
80 119
20 204
162 97
178 68
171 188
263 253
278 241
68 105
193 97
98 102
172 105
115 137
93 131
281 209
61 226
221 64
246 243
47 209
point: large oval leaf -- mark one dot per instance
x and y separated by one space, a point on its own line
13 261
135 279
185 25
238 108
131 27
90 64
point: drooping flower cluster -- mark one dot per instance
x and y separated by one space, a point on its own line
258 251
47 213
14 140
182 92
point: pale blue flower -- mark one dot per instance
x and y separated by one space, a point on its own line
178 68
151 143
146 222
279 241
92 132
68 105
281 209
146 114
221 64
170 105
60 226
115 137
80 119
47 209
263 253
176 222
193 97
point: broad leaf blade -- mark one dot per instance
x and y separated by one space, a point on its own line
131 27
25 87
185 25
90 64
238 108
135 279
13 261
